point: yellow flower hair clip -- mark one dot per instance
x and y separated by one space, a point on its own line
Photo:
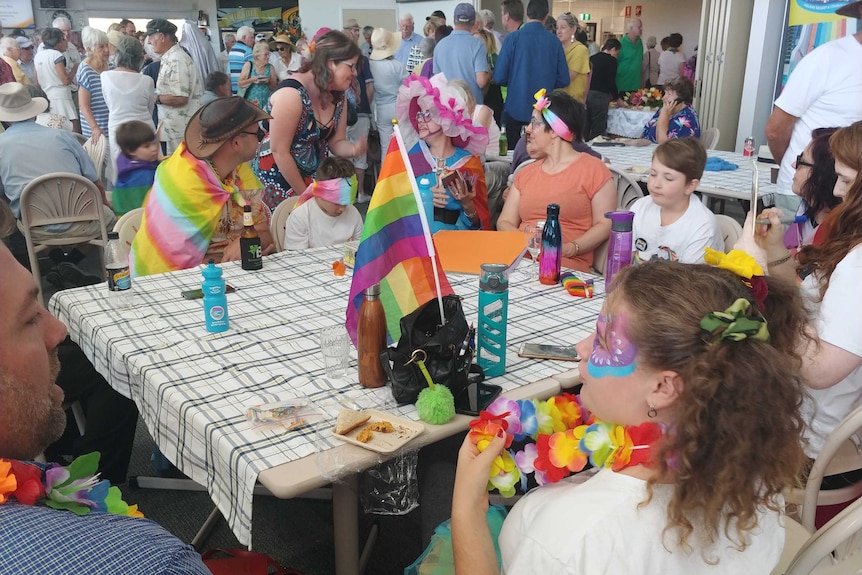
737 261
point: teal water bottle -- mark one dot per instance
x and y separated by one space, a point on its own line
493 308
427 200
215 300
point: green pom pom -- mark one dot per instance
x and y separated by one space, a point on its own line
436 405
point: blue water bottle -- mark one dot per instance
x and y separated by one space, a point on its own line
427 200
215 300
493 307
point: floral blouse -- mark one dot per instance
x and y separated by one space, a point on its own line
683 125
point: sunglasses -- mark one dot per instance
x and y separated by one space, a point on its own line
800 163
282 48
423 115
259 134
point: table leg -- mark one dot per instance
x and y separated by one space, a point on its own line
345 525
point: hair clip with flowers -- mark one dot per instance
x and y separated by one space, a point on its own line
743 265
543 105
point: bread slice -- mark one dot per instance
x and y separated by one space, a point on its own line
348 420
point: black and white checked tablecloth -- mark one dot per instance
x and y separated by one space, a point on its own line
734 184
192 387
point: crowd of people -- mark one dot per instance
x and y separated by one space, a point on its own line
196 138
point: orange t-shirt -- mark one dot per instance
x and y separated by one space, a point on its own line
573 189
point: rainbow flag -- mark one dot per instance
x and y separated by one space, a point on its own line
396 249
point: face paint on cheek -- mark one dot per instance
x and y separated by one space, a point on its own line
613 354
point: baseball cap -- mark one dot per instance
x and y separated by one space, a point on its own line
259 37
465 13
24 42
160 26
437 13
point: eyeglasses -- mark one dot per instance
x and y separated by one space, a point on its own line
350 65
282 48
800 163
423 115
536 123
259 134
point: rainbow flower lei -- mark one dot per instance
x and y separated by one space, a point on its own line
557 437
76 487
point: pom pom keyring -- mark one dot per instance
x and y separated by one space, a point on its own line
576 286
435 404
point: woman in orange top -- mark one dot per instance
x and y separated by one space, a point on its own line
579 183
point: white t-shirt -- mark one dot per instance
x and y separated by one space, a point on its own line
310 227
838 320
597 528
668 66
823 92
682 240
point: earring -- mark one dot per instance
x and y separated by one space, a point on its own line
652 412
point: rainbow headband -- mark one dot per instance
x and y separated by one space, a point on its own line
557 125
341 191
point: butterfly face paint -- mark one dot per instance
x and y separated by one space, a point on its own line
613 354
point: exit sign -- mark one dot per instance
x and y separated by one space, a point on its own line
586 16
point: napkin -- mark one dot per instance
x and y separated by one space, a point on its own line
718 165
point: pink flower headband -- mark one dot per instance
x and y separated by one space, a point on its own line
557 125
341 191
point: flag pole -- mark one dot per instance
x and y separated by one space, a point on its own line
426 229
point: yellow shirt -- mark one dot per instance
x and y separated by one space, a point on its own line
20 76
578 59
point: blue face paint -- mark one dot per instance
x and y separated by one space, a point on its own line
613 354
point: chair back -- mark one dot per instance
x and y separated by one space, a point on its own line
278 224
730 230
128 225
628 189
836 548
98 153
709 138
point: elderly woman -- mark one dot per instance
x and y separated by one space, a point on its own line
11 51
258 78
577 57
426 50
51 70
309 121
813 181
443 140
578 182
128 94
94 110
284 57
676 118
388 73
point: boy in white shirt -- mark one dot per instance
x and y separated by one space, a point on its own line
671 223
330 218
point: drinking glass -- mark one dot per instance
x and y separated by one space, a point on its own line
335 346
533 233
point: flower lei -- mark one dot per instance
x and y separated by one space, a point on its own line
558 436
543 105
76 487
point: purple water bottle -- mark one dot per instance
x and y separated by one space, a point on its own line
619 244
551 256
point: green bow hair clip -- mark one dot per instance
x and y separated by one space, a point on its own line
734 323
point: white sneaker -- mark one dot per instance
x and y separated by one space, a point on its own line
363 199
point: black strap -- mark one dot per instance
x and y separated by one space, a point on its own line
445 216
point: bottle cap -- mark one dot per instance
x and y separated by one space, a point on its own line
424 182
113 235
621 221
373 290
246 208
553 209
493 278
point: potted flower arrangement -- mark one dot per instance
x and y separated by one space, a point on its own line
645 97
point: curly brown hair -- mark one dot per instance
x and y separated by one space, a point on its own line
736 438
333 46
844 225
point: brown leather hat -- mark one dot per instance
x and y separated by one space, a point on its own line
219 121
851 10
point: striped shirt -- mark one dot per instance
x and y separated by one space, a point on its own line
89 80
239 55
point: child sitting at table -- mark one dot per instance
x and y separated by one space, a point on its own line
136 165
671 223
331 218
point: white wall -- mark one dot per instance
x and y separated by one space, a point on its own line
318 13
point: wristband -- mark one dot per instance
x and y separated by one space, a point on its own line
779 261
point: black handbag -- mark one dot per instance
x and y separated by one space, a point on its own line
441 347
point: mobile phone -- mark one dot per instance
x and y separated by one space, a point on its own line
542 351
199 293
475 397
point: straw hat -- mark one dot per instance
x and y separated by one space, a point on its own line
281 39
851 10
219 121
383 43
16 105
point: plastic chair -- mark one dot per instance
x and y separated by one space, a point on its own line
795 537
628 189
709 138
730 230
128 225
97 153
56 199
836 548
278 223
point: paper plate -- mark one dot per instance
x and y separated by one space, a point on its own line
404 431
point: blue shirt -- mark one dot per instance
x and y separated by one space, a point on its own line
460 56
682 125
404 49
463 222
531 59
238 56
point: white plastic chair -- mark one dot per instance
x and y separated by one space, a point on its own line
709 138
56 199
836 548
730 230
628 188
278 224
98 153
128 225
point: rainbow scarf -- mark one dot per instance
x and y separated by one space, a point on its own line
341 191
181 213
557 125
396 247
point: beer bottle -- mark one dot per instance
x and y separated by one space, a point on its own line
249 243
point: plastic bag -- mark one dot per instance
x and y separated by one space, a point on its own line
391 487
